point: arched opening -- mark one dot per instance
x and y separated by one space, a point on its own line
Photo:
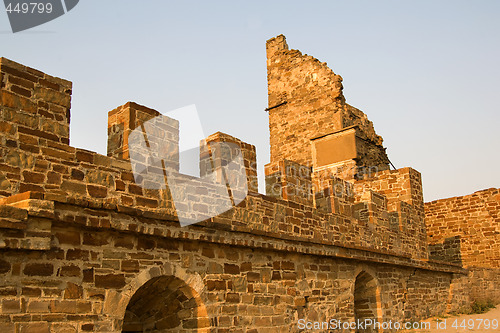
165 304
367 302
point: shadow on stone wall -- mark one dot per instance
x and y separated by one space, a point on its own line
449 250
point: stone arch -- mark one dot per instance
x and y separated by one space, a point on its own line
165 304
163 298
367 301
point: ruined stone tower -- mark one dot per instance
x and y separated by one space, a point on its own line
309 120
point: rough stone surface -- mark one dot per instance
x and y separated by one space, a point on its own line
306 102
466 230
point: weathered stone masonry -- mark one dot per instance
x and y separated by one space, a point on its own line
84 248
466 230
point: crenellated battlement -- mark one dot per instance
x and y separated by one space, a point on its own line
378 213
384 211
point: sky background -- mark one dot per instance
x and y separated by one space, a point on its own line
427 73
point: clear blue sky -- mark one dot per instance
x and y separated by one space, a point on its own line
427 73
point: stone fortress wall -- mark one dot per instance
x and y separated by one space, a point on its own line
85 248
466 230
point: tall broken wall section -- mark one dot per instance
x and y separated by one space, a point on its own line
466 230
305 101
318 142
